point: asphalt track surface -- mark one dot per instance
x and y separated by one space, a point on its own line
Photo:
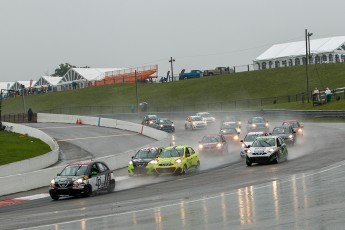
305 192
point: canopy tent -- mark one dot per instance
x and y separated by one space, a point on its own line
45 81
6 85
322 50
18 85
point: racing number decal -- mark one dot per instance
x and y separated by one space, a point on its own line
99 182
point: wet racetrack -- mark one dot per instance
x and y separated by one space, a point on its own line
306 192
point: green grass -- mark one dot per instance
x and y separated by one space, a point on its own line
16 147
189 93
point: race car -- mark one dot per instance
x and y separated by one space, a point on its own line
139 165
149 120
257 124
194 122
231 124
230 134
266 149
213 143
164 124
206 116
248 140
297 127
179 159
286 132
82 179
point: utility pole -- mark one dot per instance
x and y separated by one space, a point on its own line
307 58
136 90
172 69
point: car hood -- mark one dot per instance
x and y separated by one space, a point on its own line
255 150
146 160
66 179
167 160
209 143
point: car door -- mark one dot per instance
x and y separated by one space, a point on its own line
104 174
96 177
193 156
188 157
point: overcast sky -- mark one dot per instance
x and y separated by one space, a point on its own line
38 35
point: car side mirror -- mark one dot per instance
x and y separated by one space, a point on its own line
132 157
93 173
187 154
58 174
248 146
238 133
241 140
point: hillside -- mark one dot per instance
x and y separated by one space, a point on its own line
207 92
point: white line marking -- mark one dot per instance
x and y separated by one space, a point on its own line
84 138
337 165
33 197
64 127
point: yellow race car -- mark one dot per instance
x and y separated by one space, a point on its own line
176 160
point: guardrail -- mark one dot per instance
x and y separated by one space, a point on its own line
40 178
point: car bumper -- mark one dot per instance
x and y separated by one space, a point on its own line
66 191
168 169
260 159
133 170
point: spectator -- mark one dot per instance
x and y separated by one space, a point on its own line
30 113
316 96
328 93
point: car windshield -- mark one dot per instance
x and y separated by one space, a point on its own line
174 152
74 170
281 130
229 131
250 138
166 122
197 118
258 120
210 139
293 124
146 153
264 142
229 125
205 115
153 117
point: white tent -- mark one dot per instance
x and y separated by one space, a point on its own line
6 85
83 75
323 50
45 81
27 84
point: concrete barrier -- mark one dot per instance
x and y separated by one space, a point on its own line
34 163
40 178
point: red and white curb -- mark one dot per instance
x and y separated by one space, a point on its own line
23 199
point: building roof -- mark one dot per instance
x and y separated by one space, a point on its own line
89 74
47 80
6 85
323 45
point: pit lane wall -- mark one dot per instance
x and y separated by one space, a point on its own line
34 163
35 179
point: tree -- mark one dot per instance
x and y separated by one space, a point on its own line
62 70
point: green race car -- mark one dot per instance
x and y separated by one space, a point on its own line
176 160
139 165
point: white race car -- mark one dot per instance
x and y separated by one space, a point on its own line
195 122
206 116
248 140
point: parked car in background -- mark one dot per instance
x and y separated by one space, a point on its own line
191 74
164 124
149 120
213 143
195 122
218 71
82 179
297 127
206 116
286 132
257 124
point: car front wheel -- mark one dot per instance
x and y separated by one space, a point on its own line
54 196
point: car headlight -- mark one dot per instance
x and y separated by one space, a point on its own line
154 162
249 151
240 123
271 150
193 123
201 146
235 137
130 162
219 145
243 145
151 122
162 126
78 181
267 125
172 125
178 161
253 125
300 130
52 181
290 136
